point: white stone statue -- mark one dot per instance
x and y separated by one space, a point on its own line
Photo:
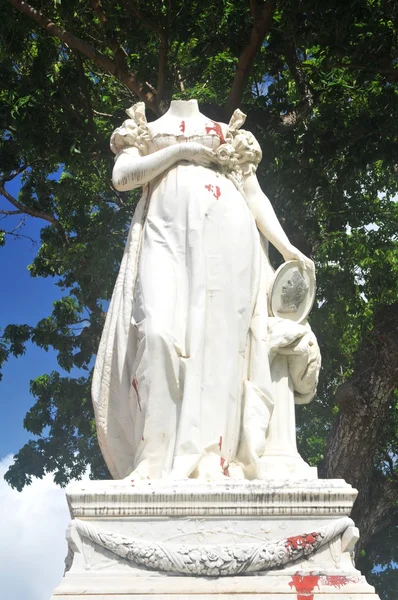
204 353
193 378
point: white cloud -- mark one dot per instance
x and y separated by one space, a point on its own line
32 534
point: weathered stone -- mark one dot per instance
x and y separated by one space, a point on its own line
192 539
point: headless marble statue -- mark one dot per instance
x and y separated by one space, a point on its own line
204 353
193 378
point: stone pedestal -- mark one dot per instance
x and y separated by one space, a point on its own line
226 540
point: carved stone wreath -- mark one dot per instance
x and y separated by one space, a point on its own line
213 559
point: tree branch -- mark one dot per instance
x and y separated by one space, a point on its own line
144 18
118 67
118 51
300 79
34 212
101 114
17 226
18 171
163 47
86 93
162 68
99 12
391 465
262 16
390 71
20 235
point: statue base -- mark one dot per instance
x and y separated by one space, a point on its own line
225 539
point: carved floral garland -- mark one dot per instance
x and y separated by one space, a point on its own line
212 559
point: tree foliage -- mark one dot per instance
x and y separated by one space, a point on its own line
318 81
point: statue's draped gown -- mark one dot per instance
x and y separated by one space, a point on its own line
182 371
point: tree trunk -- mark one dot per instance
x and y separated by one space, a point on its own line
357 433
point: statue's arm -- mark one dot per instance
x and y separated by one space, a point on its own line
132 170
268 223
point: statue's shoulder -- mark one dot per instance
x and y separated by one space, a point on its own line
137 114
246 146
133 132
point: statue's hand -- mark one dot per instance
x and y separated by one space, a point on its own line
292 253
199 154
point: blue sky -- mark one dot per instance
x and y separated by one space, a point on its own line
23 299
40 512
33 545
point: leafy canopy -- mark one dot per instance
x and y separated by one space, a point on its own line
318 82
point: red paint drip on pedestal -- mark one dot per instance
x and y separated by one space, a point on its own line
216 127
305 585
182 126
134 383
337 580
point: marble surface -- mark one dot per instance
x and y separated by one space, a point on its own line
212 528
193 377
317 497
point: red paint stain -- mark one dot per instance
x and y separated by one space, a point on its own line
301 542
225 471
134 383
216 127
214 189
182 126
220 442
337 580
142 438
305 585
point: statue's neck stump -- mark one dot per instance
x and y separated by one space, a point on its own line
183 109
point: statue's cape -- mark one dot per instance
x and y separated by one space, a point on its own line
116 354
